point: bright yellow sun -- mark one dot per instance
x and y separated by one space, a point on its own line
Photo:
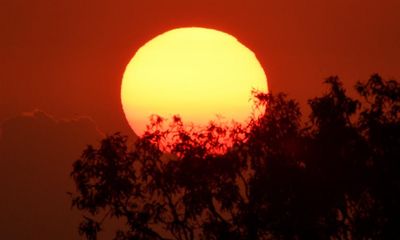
196 73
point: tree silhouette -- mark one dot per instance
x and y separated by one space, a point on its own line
335 176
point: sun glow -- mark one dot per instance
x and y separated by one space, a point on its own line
196 73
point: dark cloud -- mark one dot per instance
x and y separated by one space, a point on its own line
36 156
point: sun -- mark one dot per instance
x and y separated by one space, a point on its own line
196 73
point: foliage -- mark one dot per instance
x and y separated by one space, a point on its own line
336 177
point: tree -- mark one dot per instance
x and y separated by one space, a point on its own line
334 177
380 125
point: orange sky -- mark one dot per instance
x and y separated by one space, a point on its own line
67 59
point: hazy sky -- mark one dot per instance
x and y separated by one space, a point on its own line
66 58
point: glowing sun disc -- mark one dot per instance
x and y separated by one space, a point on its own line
196 73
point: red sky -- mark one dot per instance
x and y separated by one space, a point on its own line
67 58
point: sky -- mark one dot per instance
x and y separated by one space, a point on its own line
62 62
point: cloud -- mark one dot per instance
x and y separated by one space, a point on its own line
36 156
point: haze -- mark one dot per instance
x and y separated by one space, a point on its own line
66 59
